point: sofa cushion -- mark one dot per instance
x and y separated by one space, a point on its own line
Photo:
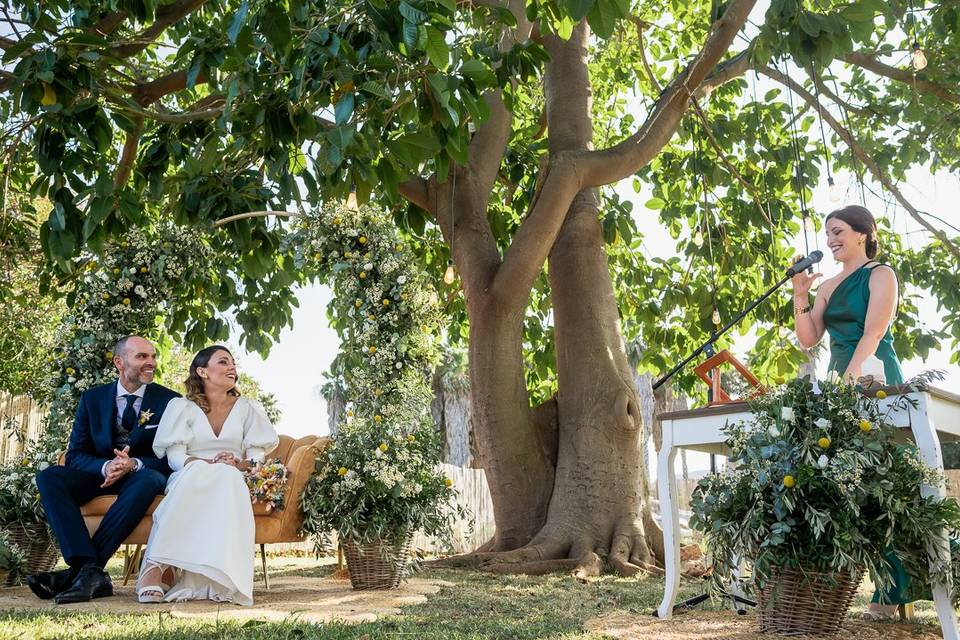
99 505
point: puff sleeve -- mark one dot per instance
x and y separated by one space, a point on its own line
175 432
259 436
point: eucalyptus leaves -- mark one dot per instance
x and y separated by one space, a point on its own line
817 482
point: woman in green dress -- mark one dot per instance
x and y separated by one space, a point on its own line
856 307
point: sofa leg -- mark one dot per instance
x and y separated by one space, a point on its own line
131 563
263 563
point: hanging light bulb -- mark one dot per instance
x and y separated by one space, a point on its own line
698 238
352 200
917 59
450 274
716 317
808 225
834 191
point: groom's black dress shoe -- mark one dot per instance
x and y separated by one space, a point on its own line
92 582
47 584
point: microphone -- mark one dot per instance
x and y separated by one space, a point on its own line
806 263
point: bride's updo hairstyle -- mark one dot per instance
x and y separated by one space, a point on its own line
194 383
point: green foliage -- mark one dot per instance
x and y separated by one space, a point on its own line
123 292
378 480
252 106
28 318
817 481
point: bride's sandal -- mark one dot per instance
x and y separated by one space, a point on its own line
153 593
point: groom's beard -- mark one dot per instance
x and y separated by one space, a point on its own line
138 377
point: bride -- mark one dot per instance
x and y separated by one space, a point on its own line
202 540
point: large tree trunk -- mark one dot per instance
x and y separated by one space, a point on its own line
595 509
515 460
566 478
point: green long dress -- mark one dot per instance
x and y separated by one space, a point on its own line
844 319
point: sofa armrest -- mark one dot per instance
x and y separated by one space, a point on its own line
299 468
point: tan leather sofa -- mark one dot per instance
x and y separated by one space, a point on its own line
299 456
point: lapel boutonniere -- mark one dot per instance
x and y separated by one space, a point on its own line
145 416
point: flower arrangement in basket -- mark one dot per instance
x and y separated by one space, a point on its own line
817 490
375 489
21 513
268 484
11 557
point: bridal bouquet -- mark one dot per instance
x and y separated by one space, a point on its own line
819 481
268 484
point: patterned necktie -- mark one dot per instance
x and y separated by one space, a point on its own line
128 421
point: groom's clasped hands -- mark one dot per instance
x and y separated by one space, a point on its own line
120 466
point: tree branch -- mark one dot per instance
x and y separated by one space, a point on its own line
254 214
871 63
822 86
129 154
109 23
878 173
415 190
613 164
149 92
167 14
725 72
489 143
535 237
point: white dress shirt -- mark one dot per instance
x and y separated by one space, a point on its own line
121 405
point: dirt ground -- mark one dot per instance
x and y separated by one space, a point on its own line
307 599
727 625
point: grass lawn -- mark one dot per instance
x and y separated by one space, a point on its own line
478 606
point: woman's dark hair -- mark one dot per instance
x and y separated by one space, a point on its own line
196 392
861 221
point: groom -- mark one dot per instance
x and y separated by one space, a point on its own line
110 453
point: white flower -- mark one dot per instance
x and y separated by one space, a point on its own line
368 266
43 465
823 461
140 291
398 366
773 431
401 280
787 414
823 423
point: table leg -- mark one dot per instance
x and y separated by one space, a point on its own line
670 519
925 436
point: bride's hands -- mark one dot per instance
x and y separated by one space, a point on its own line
228 458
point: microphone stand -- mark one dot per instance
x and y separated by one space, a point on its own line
708 348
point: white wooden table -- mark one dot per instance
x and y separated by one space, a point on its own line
935 418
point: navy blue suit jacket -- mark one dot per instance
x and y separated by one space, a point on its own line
91 441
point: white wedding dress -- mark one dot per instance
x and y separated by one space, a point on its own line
204 526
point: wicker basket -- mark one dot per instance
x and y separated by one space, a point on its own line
38 546
378 565
795 603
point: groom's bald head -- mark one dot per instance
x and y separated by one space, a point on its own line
136 360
